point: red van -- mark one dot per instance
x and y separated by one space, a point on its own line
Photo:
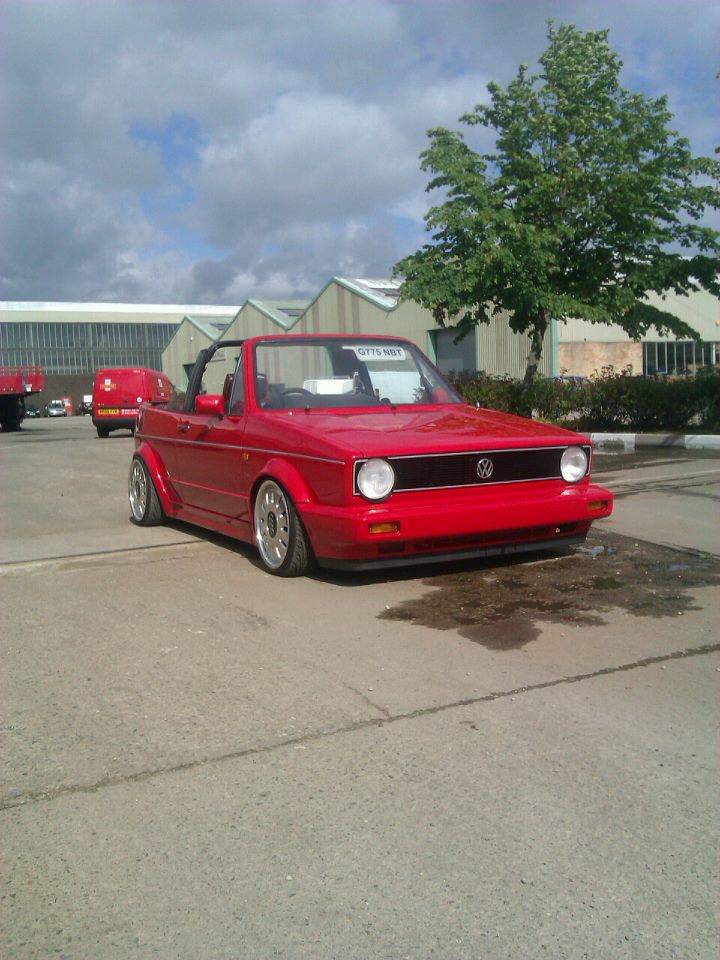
118 393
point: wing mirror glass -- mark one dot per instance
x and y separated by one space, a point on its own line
209 404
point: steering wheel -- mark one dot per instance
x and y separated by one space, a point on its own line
302 390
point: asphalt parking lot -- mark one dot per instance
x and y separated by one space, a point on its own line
497 760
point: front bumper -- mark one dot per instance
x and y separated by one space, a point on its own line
455 524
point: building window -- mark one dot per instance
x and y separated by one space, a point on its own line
453 357
679 357
81 348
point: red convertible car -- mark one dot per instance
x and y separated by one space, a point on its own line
353 451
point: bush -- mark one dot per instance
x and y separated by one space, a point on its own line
708 387
609 401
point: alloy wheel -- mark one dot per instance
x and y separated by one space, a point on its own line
272 524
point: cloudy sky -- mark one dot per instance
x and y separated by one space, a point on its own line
204 152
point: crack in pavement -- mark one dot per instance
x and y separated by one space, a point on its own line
33 797
371 703
615 479
680 490
14 566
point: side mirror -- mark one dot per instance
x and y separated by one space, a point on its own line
209 404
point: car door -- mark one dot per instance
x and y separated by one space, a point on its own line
209 464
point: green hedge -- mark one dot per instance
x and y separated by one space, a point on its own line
611 401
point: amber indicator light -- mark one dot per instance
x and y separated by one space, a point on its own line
597 504
384 527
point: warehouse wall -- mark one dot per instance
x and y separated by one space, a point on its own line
182 350
586 359
249 322
252 322
338 309
504 353
701 310
58 386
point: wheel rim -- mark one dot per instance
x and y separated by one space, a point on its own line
272 524
137 489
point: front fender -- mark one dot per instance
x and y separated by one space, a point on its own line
159 474
289 477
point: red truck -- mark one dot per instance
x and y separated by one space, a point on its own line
16 383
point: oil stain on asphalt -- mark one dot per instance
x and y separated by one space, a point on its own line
498 603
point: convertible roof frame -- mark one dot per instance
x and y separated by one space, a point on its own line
195 378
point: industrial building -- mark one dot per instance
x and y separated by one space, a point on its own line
357 305
585 348
72 340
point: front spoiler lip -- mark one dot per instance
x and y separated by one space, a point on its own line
528 546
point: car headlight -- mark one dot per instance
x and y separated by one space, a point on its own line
573 464
375 479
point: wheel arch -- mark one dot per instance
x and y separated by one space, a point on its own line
289 478
159 476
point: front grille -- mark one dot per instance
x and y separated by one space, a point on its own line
461 469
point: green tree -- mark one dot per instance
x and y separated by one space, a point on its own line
588 202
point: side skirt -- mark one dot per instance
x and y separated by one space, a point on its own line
228 526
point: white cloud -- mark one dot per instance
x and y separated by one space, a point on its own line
311 119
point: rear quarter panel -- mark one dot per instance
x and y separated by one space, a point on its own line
159 473
155 442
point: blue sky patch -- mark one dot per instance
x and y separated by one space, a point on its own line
177 139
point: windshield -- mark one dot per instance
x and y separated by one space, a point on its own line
345 373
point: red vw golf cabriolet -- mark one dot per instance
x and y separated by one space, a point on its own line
353 451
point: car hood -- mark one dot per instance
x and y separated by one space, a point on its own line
439 429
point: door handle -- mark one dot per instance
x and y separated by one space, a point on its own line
183 426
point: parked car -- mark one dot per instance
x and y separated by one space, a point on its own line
85 405
354 452
55 408
118 393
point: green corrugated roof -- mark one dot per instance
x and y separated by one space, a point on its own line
212 327
285 313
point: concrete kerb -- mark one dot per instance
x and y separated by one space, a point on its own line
630 441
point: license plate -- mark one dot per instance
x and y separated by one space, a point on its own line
110 411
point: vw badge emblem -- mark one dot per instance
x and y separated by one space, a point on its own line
485 468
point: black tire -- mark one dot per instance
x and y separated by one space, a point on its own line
103 433
12 413
298 557
145 507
